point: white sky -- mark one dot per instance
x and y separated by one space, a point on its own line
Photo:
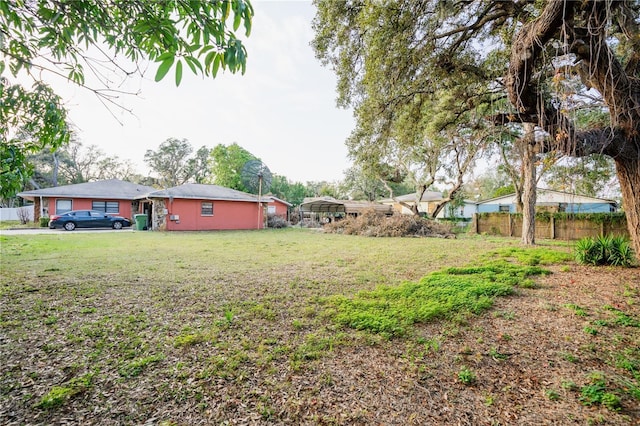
282 109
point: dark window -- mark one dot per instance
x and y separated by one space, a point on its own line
106 206
206 209
504 209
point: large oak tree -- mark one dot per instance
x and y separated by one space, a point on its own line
473 51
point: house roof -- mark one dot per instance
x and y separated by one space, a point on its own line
273 198
549 197
411 198
198 191
111 189
331 205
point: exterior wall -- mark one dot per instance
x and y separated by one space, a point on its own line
570 208
589 208
494 208
281 209
226 215
124 206
466 211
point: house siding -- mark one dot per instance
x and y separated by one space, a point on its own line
226 215
281 209
570 208
589 208
494 208
124 206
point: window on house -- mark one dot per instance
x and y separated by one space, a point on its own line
504 209
562 207
271 209
63 206
206 209
106 206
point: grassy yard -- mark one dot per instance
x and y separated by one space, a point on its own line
301 327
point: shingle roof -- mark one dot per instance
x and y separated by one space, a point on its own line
273 198
112 188
204 192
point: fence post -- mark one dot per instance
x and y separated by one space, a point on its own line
552 231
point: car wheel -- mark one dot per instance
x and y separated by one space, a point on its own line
117 225
69 226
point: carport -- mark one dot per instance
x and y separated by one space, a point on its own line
330 207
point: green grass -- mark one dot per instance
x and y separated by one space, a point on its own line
391 310
15 224
259 324
58 395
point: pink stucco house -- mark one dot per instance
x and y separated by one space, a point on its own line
200 207
188 207
277 207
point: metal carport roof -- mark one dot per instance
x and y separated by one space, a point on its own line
331 205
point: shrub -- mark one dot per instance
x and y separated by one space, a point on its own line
23 215
604 250
44 222
275 221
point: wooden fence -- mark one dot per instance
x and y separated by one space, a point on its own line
558 226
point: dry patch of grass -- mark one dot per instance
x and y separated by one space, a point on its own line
187 328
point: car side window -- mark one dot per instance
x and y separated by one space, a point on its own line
83 214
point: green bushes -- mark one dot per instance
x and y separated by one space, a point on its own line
604 250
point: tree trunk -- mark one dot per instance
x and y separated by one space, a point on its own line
529 187
628 170
54 172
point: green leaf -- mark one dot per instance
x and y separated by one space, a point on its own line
208 60
164 67
178 73
225 9
165 56
193 63
247 23
205 49
217 61
237 19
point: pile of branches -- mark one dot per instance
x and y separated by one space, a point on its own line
373 224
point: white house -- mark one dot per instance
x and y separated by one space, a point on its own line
550 200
